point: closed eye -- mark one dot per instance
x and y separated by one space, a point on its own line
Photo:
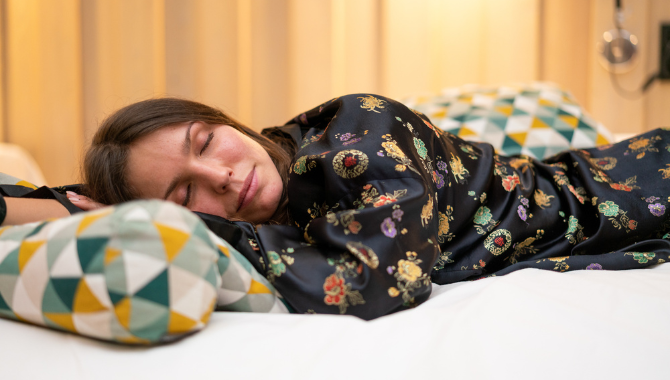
209 140
188 195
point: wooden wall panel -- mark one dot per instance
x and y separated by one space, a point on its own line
309 54
457 43
358 56
201 49
657 105
511 40
43 89
405 46
270 64
3 55
121 55
66 64
618 113
566 47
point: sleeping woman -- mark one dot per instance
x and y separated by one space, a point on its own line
357 205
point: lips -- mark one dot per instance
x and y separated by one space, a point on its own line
248 190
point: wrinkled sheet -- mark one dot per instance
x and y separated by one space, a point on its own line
529 324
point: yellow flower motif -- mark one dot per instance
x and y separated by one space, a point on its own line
641 143
370 103
408 270
558 259
542 199
393 150
665 172
393 292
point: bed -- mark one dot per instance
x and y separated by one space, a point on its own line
528 324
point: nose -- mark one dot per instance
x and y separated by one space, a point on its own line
217 177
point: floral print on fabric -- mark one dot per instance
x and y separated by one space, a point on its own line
410 277
350 163
339 293
498 241
641 145
383 203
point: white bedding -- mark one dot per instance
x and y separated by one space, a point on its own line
530 324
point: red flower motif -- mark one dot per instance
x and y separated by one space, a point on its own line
500 241
632 224
383 199
618 186
350 161
334 289
354 227
510 182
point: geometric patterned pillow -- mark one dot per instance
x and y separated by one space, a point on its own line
142 272
537 119
6 179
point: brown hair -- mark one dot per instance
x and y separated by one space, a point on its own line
105 163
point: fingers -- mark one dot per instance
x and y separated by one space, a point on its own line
83 202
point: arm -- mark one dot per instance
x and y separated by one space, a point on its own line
27 210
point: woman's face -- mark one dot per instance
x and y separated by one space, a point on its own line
213 169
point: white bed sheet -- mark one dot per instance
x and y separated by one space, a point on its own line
530 324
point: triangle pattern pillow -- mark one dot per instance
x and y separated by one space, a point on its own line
537 119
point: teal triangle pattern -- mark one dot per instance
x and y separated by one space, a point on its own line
52 303
36 230
88 248
97 264
115 297
510 146
66 288
584 126
567 134
10 265
157 290
538 151
519 112
149 320
500 121
3 304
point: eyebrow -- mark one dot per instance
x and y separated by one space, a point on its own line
186 147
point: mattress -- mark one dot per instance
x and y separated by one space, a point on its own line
527 325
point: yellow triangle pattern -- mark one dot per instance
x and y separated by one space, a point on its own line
180 323
465 131
546 103
63 320
26 251
601 140
111 254
439 114
257 288
518 137
505 110
85 301
173 240
537 123
465 98
89 219
26 184
224 250
569 120
122 310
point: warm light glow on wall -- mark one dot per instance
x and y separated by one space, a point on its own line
67 64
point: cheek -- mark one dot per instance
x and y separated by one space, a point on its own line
208 204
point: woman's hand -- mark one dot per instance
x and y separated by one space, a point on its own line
84 203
